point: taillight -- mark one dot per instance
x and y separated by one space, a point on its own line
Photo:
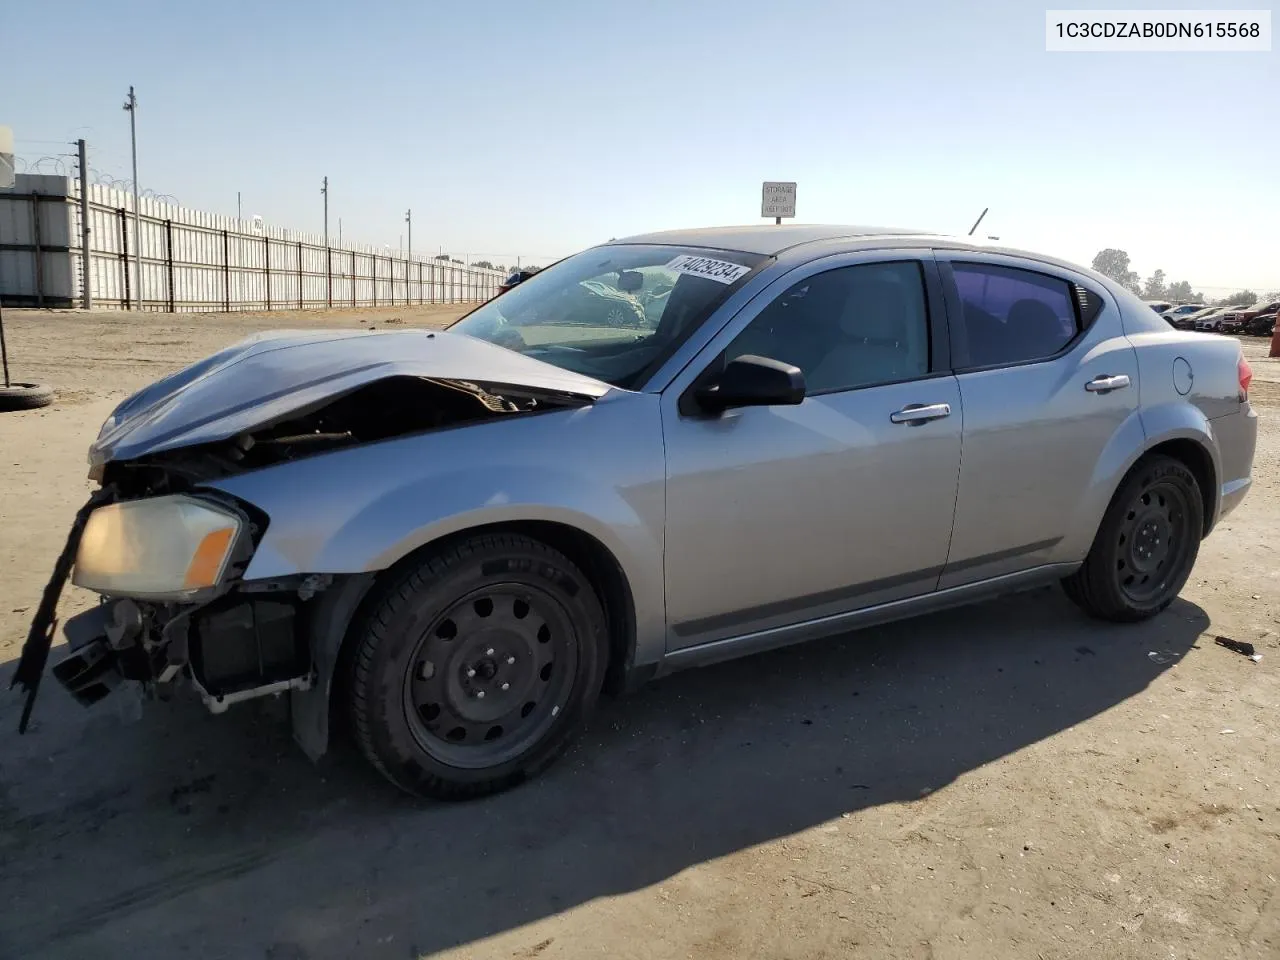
1245 373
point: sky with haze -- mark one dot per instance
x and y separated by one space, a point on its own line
540 128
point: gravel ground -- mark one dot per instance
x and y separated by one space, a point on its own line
1004 781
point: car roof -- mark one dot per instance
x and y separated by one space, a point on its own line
767 239
775 239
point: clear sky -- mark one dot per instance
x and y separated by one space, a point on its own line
541 127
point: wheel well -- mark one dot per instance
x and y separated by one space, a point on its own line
1196 459
588 554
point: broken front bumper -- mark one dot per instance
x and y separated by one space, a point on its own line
237 647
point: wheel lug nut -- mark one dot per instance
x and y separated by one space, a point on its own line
510 660
471 672
506 686
479 694
489 652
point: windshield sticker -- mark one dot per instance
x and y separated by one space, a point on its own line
721 271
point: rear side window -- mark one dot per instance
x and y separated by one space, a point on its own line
1016 316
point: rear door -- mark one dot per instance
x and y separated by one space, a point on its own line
1047 380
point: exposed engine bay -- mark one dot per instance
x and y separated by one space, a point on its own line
381 410
243 639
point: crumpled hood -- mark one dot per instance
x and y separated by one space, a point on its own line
275 375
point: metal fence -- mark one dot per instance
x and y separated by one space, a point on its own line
196 261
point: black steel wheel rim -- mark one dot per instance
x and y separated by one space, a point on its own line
1154 541
490 675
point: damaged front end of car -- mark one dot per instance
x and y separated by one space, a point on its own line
168 553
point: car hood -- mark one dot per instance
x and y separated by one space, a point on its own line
272 376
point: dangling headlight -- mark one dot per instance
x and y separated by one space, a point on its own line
161 548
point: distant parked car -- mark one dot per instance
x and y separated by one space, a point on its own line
1220 321
1241 316
1188 320
457 536
1159 306
1263 325
1182 312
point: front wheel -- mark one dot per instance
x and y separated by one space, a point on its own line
477 667
1146 545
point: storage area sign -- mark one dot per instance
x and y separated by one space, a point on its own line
778 199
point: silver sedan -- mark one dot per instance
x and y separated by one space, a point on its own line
658 453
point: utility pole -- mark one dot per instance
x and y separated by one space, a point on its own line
408 218
339 231
328 261
86 279
978 221
132 106
324 189
239 216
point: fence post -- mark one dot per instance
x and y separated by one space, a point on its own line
373 269
226 273
353 278
39 253
328 273
420 301
124 255
168 264
266 268
299 274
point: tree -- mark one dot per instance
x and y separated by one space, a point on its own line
1244 298
1182 292
485 264
1155 287
1114 263
441 256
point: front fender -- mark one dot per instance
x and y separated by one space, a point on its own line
599 469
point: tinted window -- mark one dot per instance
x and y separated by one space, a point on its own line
846 328
1013 315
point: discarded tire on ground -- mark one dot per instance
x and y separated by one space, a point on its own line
25 396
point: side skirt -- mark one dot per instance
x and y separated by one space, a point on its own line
758 642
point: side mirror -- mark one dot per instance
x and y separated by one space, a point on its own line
750 381
630 281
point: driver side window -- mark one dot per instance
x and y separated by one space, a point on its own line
846 328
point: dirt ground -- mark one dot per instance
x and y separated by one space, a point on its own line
1005 781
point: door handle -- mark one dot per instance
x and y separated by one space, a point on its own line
1105 383
917 413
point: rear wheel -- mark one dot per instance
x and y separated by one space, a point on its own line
477 667
1146 544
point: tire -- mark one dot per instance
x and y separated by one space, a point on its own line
25 396
1146 545
477 667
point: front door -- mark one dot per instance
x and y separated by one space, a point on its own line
781 514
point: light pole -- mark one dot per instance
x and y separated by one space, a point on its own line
328 259
324 189
408 218
131 105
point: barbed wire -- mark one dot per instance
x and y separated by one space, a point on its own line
57 163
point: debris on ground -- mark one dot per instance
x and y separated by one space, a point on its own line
1163 656
1242 647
